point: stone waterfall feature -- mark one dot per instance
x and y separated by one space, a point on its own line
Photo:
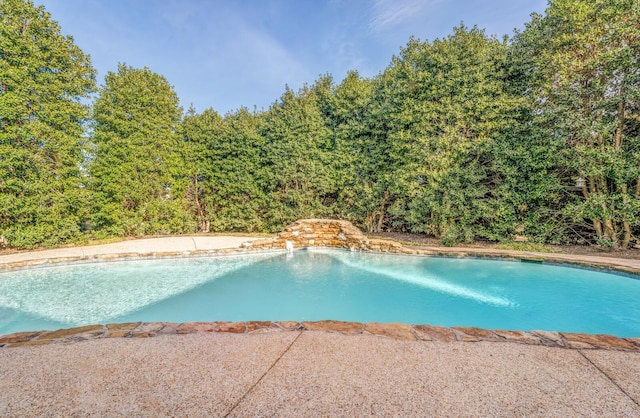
326 233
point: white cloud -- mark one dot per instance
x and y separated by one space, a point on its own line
241 64
390 13
178 15
270 60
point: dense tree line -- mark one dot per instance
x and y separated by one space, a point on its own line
462 138
43 77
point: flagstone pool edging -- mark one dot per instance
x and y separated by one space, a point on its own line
396 331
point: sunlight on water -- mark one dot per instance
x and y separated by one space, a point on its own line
322 284
411 270
73 295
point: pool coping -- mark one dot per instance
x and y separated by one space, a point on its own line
396 331
617 265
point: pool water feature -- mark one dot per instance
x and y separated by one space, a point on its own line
319 284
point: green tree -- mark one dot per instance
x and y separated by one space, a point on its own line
229 170
587 54
445 105
526 191
44 78
364 149
139 173
298 159
197 130
345 111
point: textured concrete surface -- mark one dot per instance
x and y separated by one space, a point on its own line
138 246
195 375
313 373
331 374
621 367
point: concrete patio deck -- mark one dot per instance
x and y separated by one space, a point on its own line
309 369
314 373
140 247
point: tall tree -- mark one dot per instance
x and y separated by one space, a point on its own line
361 137
527 194
343 109
446 104
197 130
44 78
229 174
587 54
298 159
139 174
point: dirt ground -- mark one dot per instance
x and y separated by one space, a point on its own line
423 240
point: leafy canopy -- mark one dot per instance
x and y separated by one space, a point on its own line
45 80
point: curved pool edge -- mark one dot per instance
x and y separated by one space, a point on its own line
185 246
157 247
622 265
396 331
50 261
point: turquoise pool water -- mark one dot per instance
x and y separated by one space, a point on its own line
323 284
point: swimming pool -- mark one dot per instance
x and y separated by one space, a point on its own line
323 284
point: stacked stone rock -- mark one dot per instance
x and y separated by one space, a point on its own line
326 233
394 330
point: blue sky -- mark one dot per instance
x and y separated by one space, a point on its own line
226 54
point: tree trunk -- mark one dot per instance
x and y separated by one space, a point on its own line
610 229
609 224
383 208
621 118
626 227
203 225
597 225
585 191
369 223
626 239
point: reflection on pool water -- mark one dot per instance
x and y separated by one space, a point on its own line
323 284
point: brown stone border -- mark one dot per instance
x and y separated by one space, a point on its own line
396 331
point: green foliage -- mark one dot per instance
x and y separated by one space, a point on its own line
359 160
523 246
298 159
445 105
229 173
139 178
43 77
587 54
462 138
